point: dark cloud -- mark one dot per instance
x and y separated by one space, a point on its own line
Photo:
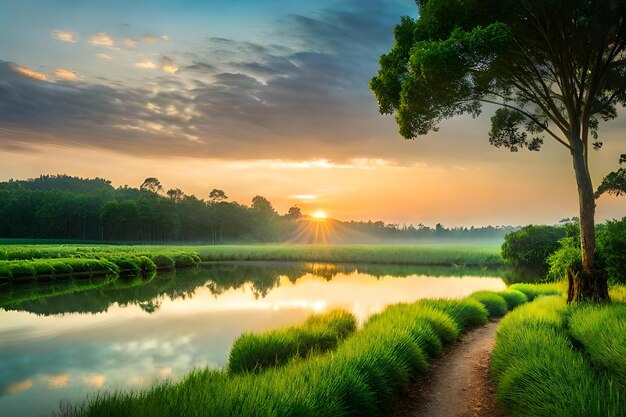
304 97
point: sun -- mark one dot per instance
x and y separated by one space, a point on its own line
319 214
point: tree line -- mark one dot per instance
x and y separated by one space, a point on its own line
66 207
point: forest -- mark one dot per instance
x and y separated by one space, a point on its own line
92 209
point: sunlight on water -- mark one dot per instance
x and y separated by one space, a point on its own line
62 348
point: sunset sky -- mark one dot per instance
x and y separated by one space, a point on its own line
258 97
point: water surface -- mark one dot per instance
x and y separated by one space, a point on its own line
57 346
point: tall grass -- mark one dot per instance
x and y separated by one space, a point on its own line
495 304
539 373
601 329
513 298
253 352
358 378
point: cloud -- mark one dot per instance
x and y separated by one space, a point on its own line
168 65
65 74
96 381
57 381
104 56
64 36
101 39
154 38
18 386
27 72
145 64
130 42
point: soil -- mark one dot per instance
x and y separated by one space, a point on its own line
458 384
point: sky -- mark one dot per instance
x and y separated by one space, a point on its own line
258 98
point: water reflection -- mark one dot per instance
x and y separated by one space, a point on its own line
60 344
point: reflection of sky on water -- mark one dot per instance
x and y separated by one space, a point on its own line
63 357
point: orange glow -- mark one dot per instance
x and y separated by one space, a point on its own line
30 73
319 214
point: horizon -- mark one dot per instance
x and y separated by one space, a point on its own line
267 100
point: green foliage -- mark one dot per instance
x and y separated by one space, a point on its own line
513 298
182 260
611 245
610 252
539 374
601 329
465 313
532 291
253 352
531 245
614 182
163 261
495 304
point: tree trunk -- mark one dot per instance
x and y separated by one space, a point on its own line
588 284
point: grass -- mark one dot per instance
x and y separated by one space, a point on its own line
358 378
254 352
495 304
539 372
513 298
601 329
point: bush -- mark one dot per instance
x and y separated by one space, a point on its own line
611 246
127 265
610 252
531 245
146 264
185 259
495 305
163 262
513 298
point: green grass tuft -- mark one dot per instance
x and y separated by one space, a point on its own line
495 305
513 298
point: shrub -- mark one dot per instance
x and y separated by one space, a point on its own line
127 265
531 245
163 262
611 246
185 259
513 298
495 305
146 264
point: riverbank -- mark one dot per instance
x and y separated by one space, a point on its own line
360 377
28 263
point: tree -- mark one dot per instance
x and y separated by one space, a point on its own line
175 194
263 205
614 182
553 68
294 213
217 196
152 185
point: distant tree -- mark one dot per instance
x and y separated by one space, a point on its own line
262 205
152 185
294 213
552 69
175 194
216 195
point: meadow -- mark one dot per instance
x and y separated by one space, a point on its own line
44 262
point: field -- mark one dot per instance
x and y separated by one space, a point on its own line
44 262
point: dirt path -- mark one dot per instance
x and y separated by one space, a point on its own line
458 384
